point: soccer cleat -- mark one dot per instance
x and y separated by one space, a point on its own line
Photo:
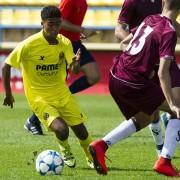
97 150
164 166
165 117
90 163
69 159
33 128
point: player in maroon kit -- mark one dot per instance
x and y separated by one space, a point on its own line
137 95
133 12
73 13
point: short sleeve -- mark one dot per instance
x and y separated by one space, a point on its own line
16 56
127 11
66 7
168 44
68 52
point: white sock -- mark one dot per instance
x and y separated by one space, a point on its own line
124 130
172 136
156 132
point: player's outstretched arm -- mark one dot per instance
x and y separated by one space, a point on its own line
6 73
71 27
75 66
85 32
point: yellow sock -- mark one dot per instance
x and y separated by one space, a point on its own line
64 146
84 144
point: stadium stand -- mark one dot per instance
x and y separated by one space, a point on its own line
21 18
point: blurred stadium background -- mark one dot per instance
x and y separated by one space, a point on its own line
21 18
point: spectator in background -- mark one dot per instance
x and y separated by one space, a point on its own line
133 12
73 13
44 58
135 92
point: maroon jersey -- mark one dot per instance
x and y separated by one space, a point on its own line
133 12
153 39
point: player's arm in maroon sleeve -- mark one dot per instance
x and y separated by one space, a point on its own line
125 18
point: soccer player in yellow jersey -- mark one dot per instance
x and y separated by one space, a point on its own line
44 58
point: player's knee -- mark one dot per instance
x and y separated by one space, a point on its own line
61 133
80 131
60 128
83 135
93 78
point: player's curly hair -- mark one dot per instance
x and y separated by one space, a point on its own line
50 12
174 4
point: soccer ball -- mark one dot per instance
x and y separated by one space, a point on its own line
49 162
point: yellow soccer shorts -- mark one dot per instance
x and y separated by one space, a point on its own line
47 112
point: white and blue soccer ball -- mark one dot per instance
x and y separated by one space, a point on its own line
49 162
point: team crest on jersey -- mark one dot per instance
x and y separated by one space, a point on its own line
61 55
46 116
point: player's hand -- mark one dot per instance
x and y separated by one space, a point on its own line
8 101
77 56
88 33
75 65
176 109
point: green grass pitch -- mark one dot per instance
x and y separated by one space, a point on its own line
132 158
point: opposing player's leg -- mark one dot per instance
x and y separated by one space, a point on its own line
84 139
88 67
156 131
165 117
91 76
124 130
61 130
163 164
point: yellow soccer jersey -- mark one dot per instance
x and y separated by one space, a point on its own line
43 67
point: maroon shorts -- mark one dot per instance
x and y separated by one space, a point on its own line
132 99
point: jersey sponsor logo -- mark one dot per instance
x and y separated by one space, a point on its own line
47 70
41 58
49 67
61 56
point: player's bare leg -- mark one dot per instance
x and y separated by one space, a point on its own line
61 130
84 139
